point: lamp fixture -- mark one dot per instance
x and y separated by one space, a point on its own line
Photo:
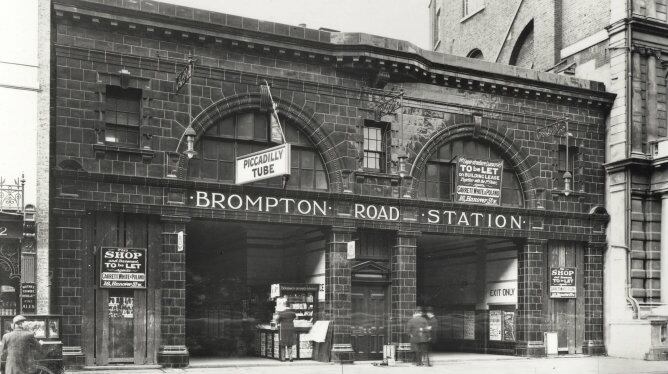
402 165
568 177
189 134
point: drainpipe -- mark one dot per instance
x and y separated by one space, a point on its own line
629 125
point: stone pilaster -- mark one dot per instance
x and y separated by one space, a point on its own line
173 351
403 289
593 294
531 278
337 292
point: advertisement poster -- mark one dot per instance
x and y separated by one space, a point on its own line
123 267
509 326
495 325
479 181
562 283
469 325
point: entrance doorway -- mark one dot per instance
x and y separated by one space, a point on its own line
471 285
566 315
369 320
120 322
230 270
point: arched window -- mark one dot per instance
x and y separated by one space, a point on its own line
438 179
522 54
243 133
475 53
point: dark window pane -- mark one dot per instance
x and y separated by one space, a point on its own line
432 190
294 178
432 171
193 168
245 125
226 172
260 132
318 163
209 169
294 158
307 159
226 151
243 149
226 126
320 180
444 152
307 178
209 149
291 134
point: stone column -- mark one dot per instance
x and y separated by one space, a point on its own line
337 292
173 351
652 96
664 249
593 295
636 106
403 291
530 280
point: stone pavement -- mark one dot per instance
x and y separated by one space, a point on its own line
449 364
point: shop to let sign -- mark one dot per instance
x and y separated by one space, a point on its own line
123 267
562 283
268 163
479 181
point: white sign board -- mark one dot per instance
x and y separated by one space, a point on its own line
268 163
179 241
351 250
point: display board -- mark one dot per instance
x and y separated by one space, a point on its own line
123 268
562 283
478 181
495 325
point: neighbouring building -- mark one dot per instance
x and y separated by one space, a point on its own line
416 179
623 43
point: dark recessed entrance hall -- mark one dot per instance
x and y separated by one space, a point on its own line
471 285
230 268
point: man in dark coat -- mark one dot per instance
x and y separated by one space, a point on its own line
418 331
286 330
19 348
433 333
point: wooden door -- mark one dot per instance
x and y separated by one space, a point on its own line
567 315
369 320
120 315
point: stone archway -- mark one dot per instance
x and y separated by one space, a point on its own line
521 162
302 117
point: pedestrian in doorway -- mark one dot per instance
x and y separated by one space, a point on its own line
418 332
286 329
19 348
432 329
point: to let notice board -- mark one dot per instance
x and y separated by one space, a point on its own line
123 267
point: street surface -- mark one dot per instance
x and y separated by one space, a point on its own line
453 365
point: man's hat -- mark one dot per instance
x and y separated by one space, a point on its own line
18 319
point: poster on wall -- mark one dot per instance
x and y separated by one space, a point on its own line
478 181
122 267
495 325
509 326
469 325
562 283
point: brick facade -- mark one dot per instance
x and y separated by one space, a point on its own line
327 88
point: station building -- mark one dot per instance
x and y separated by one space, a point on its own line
416 179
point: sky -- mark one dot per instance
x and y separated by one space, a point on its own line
398 19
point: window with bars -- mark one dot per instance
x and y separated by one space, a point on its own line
374 147
438 180
122 110
244 133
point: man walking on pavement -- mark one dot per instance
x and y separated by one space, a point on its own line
418 331
19 348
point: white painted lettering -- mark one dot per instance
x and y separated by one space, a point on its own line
202 200
394 213
434 217
359 211
238 199
271 202
251 203
463 219
217 199
322 209
516 222
308 207
287 202
503 220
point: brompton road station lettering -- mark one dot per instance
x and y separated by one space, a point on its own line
322 208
